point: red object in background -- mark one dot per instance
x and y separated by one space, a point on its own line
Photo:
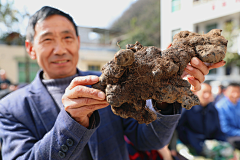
213 7
237 0
169 45
224 4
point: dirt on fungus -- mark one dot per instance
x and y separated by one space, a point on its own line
138 73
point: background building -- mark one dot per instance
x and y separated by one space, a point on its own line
96 48
201 16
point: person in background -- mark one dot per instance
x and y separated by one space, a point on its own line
220 93
229 114
11 88
4 82
59 115
200 123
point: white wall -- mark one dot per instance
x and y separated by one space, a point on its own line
195 13
201 14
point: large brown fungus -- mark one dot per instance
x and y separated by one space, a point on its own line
139 73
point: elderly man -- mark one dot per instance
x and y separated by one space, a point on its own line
229 114
60 116
4 82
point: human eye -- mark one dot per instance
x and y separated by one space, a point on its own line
68 37
46 39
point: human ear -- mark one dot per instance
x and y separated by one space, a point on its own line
78 42
30 50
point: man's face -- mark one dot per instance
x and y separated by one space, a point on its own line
233 93
205 94
3 76
55 47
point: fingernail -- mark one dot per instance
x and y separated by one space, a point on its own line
190 68
101 95
191 78
94 78
195 61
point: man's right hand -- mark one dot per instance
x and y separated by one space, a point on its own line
81 101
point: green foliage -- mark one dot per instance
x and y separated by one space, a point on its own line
230 33
141 22
232 58
136 36
8 15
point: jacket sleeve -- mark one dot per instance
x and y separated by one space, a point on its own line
181 127
65 140
152 136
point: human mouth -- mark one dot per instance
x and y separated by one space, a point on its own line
60 62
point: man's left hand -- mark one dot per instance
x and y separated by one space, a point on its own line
195 72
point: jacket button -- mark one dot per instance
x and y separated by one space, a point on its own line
61 154
64 148
69 142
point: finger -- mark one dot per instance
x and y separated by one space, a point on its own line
85 110
79 102
217 65
195 84
197 63
83 91
184 74
195 73
83 80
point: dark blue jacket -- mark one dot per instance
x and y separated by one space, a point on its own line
199 124
33 127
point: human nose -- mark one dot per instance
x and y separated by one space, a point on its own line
59 48
206 95
235 95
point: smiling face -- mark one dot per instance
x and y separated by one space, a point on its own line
55 47
205 94
233 93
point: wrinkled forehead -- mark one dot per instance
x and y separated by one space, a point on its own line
54 23
233 88
54 20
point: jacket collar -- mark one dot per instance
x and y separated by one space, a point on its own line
37 86
44 103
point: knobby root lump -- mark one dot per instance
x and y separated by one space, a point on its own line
138 73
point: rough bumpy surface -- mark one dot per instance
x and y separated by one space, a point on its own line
139 73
